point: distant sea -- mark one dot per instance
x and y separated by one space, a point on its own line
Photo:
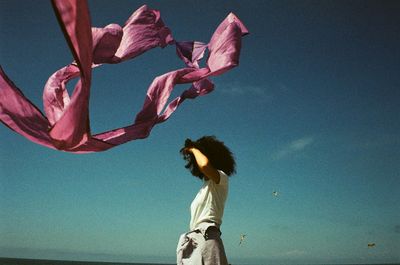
13 261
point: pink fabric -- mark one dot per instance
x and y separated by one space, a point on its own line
66 124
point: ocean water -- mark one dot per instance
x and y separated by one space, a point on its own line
13 261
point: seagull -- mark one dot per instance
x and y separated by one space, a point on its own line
371 245
242 236
275 193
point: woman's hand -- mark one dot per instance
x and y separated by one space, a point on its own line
186 151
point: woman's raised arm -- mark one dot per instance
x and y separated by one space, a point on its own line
204 165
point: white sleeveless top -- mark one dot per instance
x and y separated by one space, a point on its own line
209 203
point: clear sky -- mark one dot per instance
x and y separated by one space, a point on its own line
312 112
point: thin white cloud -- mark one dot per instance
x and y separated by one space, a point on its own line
293 147
294 253
291 254
237 89
241 90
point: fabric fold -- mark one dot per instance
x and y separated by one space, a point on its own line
66 125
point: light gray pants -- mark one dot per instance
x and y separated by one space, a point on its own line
201 247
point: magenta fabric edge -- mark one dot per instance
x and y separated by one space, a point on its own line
139 130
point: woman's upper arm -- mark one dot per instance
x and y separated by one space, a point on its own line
211 173
205 166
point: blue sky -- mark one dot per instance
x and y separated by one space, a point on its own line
311 112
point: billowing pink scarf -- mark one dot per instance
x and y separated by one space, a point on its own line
66 124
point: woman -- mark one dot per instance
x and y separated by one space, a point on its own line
210 160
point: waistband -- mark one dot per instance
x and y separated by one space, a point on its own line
203 227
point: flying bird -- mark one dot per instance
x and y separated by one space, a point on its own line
242 236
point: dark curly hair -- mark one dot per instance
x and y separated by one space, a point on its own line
217 153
